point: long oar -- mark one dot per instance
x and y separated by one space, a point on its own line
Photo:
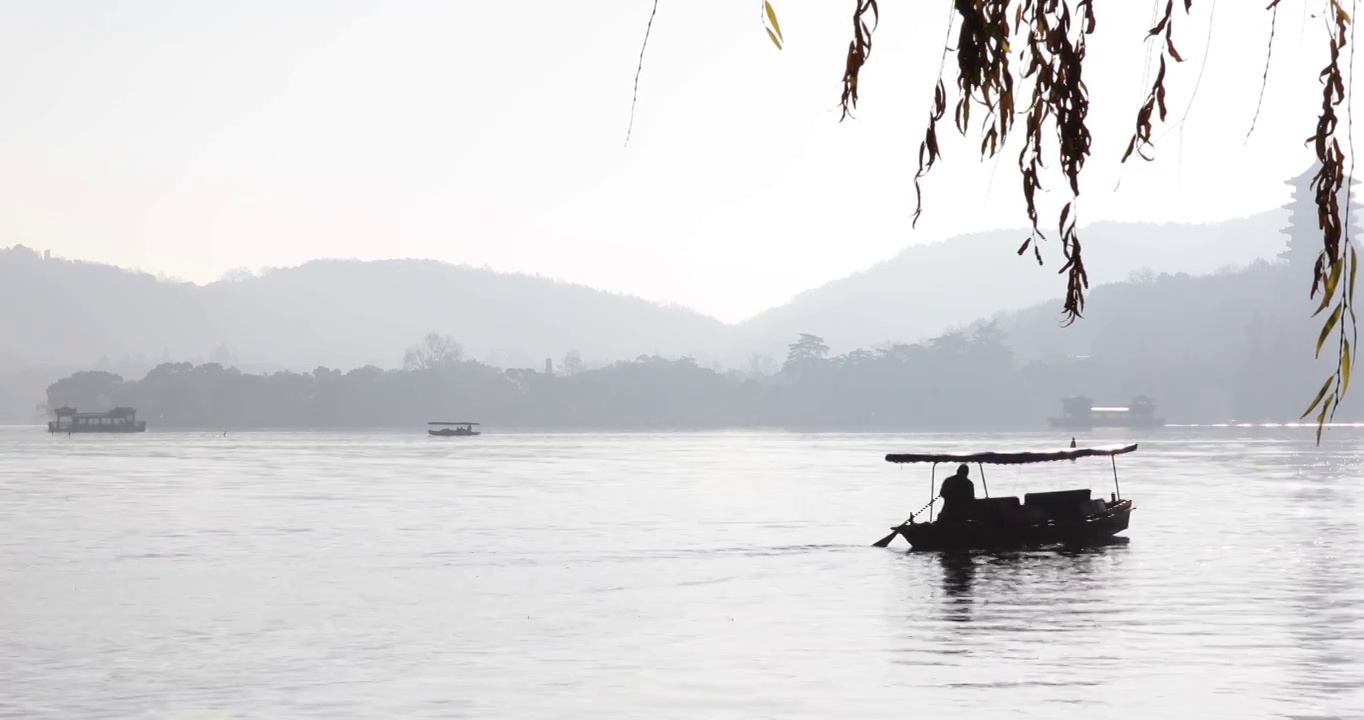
886 540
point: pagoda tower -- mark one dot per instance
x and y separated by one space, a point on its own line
1304 235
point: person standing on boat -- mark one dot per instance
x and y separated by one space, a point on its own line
957 493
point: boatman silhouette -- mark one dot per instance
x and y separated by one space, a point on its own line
957 493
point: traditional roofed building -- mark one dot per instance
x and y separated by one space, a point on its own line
1303 231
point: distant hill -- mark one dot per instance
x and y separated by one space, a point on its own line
347 313
1192 315
338 313
928 288
1226 347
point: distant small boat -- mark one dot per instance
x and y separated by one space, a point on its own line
1080 413
452 429
118 420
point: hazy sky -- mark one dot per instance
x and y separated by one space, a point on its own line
192 137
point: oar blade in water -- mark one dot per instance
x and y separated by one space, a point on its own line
886 540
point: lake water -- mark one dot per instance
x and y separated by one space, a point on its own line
724 575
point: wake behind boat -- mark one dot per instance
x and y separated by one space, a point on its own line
452 429
1066 517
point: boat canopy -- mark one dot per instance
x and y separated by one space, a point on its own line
451 423
1013 458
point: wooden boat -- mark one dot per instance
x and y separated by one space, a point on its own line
1079 413
452 429
1067 517
118 420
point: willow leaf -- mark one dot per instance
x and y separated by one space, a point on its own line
1328 292
1350 286
772 18
1329 326
1317 400
1344 367
1321 416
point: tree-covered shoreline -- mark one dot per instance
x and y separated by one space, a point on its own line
1219 348
963 380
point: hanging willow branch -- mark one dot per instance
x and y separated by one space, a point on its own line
1049 37
859 49
1337 259
1155 98
1052 35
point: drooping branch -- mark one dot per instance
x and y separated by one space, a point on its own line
1269 57
1155 97
1051 36
1337 260
859 50
928 149
639 68
1060 97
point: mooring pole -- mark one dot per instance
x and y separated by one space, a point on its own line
1117 492
932 483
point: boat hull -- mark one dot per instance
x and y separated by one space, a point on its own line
137 427
1066 423
452 433
1095 529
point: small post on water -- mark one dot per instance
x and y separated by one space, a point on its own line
1117 492
983 486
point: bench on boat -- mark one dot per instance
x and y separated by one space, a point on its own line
1061 505
996 509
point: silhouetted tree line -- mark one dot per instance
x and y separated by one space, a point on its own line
1235 346
1219 348
965 378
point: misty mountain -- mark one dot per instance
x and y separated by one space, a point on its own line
338 313
346 313
1216 348
927 288
1227 347
1241 341
1230 345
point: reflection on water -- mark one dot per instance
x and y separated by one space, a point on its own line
687 575
958 571
1328 665
1018 577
